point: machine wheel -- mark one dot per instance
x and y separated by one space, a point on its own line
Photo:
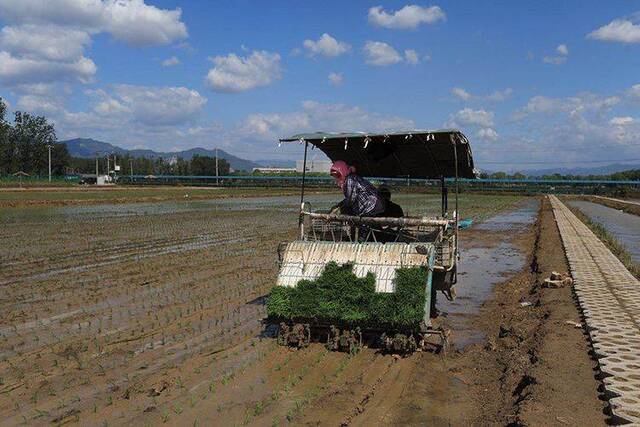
283 334
298 335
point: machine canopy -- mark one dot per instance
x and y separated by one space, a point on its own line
414 154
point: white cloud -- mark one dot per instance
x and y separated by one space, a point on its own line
170 62
555 60
131 21
634 91
326 46
582 127
488 134
497 96
163 106
562 49
380 54
470 117
411 57
574 105
233 73
315 116
409 17
39 104
129 115
44 42
621 121
562 52
618 30
335 79
461 93
500 95
14 70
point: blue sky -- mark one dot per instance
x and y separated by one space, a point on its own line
533 85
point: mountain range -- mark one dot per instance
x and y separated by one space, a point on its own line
87 148
583 171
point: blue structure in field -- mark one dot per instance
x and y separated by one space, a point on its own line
488 184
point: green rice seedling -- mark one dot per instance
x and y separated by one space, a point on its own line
339 297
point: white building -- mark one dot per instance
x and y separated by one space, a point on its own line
313 166
274 170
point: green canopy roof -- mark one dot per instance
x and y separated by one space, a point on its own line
424 154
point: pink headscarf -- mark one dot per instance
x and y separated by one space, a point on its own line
340 170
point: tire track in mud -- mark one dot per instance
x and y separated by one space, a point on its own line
142 253
375 406
152 362
203 316
348 394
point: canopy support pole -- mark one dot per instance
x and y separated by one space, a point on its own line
304 171
444 195
304 174
455 159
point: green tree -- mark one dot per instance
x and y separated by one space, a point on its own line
32 135
6 146
206 166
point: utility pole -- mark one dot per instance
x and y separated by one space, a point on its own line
107 164
217 179
49 146
131 168
96 167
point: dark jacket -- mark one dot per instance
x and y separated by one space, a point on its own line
360 197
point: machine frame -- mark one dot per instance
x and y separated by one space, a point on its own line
425 155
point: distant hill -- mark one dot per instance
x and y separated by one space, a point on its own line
87 148
593 170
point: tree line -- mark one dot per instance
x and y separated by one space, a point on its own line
25 142
24 145
196 166
628 175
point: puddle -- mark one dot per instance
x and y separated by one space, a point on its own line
482 267
624 227
517 219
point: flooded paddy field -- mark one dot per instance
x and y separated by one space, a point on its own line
624 227
143 312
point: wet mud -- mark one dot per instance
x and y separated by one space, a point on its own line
154 316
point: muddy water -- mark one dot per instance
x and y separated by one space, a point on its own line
487 257
624 227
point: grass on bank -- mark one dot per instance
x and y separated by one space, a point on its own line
28 182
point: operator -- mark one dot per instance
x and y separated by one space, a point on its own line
392 210
360 196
